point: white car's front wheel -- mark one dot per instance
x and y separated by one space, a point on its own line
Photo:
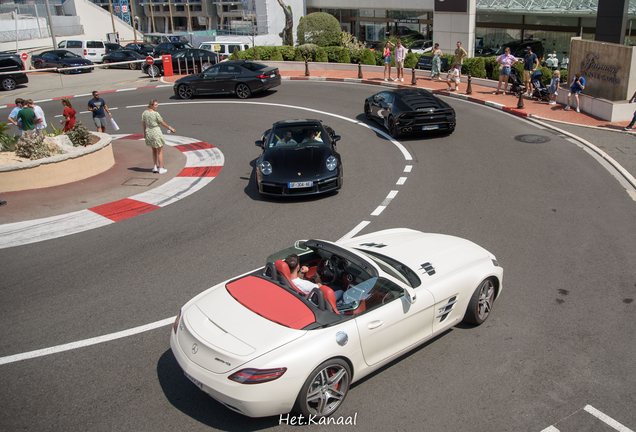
325 389
480 303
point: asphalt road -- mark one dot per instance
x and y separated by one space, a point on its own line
560 337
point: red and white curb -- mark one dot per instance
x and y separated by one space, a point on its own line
203 164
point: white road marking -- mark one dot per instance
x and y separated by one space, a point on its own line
401 180
606 419
378 211
86 342
408 168
550 429
354 231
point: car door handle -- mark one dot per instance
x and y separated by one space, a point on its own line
375 324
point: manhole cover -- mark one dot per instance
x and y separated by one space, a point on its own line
533 139
139 182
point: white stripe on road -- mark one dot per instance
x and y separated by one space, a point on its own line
550 429
354 231
606 419
401 180
86 342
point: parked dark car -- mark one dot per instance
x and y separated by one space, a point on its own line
112 46
142 48
299 158
60 59
11 63
410 111
170 47
185 61
111 59
240 77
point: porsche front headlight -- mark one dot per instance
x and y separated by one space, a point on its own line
332 163
266 168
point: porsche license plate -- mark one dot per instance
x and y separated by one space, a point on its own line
195 381
433 127
295 185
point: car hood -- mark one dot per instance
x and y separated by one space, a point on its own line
444 253
226 333
301 163
76 62
187 79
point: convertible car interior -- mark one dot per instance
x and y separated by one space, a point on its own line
271 293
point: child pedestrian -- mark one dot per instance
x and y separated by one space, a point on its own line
554 87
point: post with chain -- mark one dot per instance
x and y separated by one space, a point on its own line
306 68
469 87
520 104
413 79
360 70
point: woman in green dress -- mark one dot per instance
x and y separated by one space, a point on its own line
151 123
436 63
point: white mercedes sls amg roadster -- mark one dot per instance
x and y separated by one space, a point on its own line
261 347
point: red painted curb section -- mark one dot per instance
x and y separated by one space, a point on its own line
208 171
123 209
515 111
194 146
135 136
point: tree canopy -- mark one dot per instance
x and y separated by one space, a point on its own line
319 28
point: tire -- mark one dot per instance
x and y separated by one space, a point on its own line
367 110
156 70
480 303
105 64
38 65
392 128
243 91
133 66
185 92
325 389
8 84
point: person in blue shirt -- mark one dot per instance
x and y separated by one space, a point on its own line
13 117
99 109
578 84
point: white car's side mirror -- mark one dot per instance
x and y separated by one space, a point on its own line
409 295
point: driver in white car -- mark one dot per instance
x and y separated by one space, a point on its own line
297 275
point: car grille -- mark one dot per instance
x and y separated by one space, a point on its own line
318 187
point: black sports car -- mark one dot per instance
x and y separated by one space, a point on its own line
111 59
112 46
186 61
410 111
60 59
299 158
170 47
240 76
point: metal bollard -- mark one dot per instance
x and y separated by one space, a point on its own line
413 79
359 70
520 104
194 66
179 66
469 88
306 68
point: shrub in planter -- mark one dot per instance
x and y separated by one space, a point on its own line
32 146
343 57
410 60
276 55
80 135
474 66
564 76
287 52
235 54
367 57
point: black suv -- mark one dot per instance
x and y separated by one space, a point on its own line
11 63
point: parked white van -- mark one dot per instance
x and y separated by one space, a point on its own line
224 48
92 50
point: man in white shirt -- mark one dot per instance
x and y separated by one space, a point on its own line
453 77
400 55
40 119
303 284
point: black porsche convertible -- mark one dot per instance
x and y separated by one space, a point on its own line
410 111
299 158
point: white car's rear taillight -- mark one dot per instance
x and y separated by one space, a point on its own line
257 376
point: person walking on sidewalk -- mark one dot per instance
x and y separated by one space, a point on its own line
578 84
386 54
436 63
506 61
151 123
554 87
530 64
460 53
400 55
631 123
40 119
99 109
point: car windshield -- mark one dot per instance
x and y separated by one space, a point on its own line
297 135
394 268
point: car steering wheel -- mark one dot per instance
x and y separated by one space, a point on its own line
327 271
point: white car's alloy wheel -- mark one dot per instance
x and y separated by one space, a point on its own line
325 389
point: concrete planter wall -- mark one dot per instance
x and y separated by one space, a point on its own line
59 169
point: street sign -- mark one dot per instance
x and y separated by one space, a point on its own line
124 8
150 60
24 56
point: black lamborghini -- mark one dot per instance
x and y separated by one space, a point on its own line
410 111
299 158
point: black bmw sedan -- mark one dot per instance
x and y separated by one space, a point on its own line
60 59
240 77
410 111
299 158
